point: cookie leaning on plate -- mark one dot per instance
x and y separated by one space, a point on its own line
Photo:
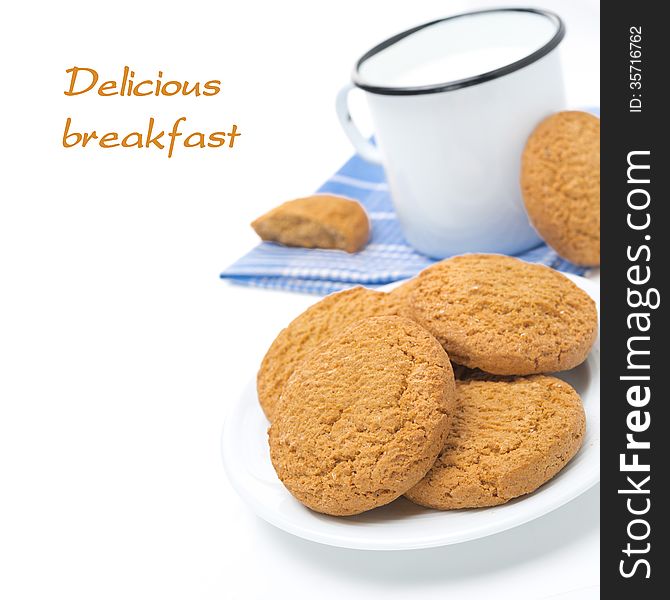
503 315
560 181
508 437
363 417
318 323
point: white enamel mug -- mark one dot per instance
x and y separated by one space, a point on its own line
452 104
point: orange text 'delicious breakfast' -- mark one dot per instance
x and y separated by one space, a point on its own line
88 81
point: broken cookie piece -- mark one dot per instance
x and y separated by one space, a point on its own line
319 221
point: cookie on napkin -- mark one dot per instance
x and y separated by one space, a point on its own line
319 221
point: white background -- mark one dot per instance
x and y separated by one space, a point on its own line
120 349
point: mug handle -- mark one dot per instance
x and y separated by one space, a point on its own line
363 146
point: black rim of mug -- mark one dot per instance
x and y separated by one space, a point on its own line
468 81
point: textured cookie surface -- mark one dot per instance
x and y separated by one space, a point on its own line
318 323
560 181
363 417
508 437
505 316
402 294
319 221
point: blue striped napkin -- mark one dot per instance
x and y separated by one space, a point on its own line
385 259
